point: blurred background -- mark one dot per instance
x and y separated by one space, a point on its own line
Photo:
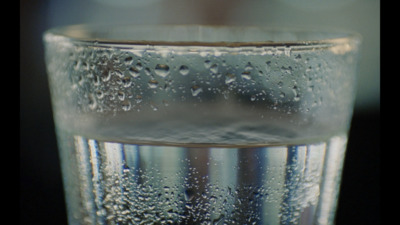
41 194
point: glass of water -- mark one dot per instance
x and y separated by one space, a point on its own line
201 124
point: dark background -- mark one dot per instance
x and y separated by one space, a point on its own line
41 193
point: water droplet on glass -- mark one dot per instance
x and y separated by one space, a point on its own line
189 194
248 67
214 68
147 71
207 64
85 66
90 74
121 95
128 60
133 71
92 102
153 83
118 73
96 81
229 78
268 66
296 94
196 90
106 76
114 59
162 70
246 75
80 80
154 107
184 70
253 98
287 70
99 94
188 206
126 81
138 98
139 66
126 105
76 65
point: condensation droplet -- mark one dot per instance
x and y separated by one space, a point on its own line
189 194
126 105
287 70
90 74
188 206
92 103
76 65
106 76
162 70
118 73
268 66
85 66
96 81
196 90
246 75
147 71
80 80
133 71
138 98
114 59
153 107
99 94
214 68
128 60
184 70
121 95
153 83
229 78
248 67
139 66
253 98
126 81
296 94
207 64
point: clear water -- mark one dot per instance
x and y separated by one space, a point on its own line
110 182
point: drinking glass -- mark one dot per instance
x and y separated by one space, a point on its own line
190 124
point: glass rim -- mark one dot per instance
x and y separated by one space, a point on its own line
218 35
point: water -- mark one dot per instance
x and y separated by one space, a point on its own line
114 182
